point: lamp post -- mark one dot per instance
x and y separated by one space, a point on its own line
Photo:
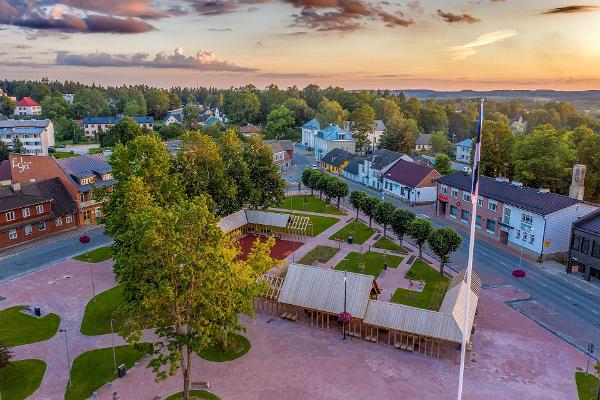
68 357
112 339
345 287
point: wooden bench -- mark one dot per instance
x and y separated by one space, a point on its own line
200 385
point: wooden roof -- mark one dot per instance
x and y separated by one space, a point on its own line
323 290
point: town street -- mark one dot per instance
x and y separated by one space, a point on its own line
572 312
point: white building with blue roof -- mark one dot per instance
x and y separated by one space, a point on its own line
309 130
94 126
463 151
36 135
333 137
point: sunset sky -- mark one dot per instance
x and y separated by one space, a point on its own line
357 44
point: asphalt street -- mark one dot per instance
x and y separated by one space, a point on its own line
561 307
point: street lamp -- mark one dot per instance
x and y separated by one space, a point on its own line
112 339
68 357
345 287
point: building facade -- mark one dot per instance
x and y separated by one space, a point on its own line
280 156
94 126
422 142
463 151
372 170
333 137
411 182
584 252
523 217
36 136
27 107
34 210
336 160
309 130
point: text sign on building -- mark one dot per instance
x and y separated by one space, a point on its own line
20 165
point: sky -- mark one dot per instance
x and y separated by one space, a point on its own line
356 44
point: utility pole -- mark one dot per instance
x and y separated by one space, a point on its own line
112 339
68 357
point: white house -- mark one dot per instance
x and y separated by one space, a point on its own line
422 142
309 130
27 107
372 169
173 117
463 151
68 98
94 126
374 136
333 137
35 135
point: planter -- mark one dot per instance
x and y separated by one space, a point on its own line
85 239
518 273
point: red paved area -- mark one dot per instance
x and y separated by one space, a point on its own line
281 249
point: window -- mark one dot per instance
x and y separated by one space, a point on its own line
454 193
58 221
12 234
28 229
596 249
576 242
464 216
480 202
585 245
69 219
98 212
531 238
42 226
39 208
524 236
444 189
10 216
26 212
82 197
492 205
453 211
518 234
466 196
478 222
491 225
527 218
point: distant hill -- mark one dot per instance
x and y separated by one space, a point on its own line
585 95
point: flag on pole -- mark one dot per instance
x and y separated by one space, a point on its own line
474 195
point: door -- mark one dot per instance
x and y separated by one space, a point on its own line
504 237
87 216
442 208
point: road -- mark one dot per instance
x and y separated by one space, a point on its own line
561 307
47 254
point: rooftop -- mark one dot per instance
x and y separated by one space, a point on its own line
25 123
334 132
465 143
408 173
423 139
381 158
353 165
115 119
251 129
313 124
524 197
27 102
39 192
589 224
80 167
336 157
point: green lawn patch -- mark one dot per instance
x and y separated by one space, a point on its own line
95 150
373 262
194 395
359 232
388 244
99 311
64 154
17 328
237 346
587 386
21 378
433 293
95 256
309 203
321 254
94 368
319 222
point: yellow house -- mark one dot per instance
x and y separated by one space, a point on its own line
336 160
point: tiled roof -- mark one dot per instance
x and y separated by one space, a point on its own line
22 130
114 120
408 173
39 192
352 167
251 129
379 125
27 102
466 143
177 114
590 223
423 139
381 158
334 132
336 157
313 124
5 174
276 147
25 123
288 145
528 198
80 167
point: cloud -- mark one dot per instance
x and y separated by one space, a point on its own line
21 46
124 8
220 29
214 7
570 10
392 20
201 61
466 50
452 18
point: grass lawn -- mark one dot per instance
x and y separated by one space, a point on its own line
320 253
237 346
17 328
359 232
21 378
309 203
320 223
194 395
433 293
97 315
95 256
64 154
94 368
388 244
95 150
587 386
373 262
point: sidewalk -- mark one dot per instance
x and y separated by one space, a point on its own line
576 279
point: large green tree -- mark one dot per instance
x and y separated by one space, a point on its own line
400 222
242 107
433 118
383 214
268 188
356 199
420 229
544 159
54 107
301 111
5 356
443 242
7 106
588 153
88 102
443 164
368 206
496 149
400 134
331 112
280 124
66 129
157 102
122 132
440 144
362 123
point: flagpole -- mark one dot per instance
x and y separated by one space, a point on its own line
474 197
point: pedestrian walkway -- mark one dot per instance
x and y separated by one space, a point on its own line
575 278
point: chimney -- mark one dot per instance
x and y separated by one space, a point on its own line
577 188
16 186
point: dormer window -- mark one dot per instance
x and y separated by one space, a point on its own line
106 177
86 181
